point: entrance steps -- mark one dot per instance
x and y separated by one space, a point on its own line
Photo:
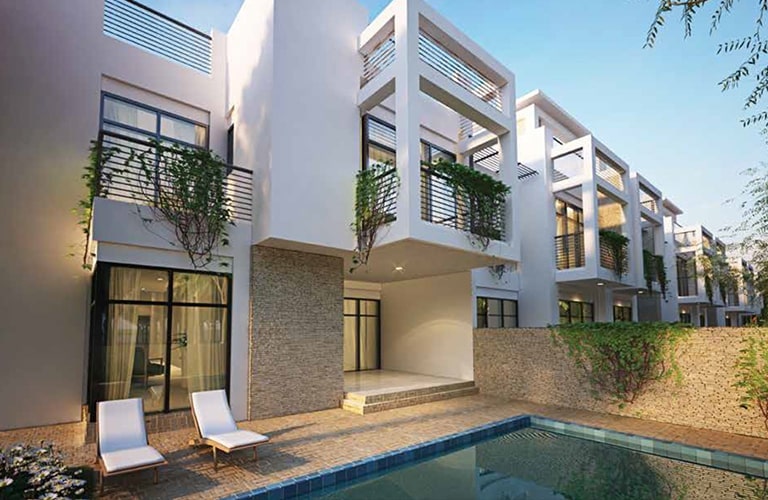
371 401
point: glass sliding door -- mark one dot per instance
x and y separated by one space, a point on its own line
362 336
158 335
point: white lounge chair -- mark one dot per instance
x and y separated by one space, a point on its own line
122 445
217 427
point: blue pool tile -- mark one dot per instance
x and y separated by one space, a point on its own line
704 457
290 490
737 463
276 494
688 453
754 467
647 445
599 435
302 487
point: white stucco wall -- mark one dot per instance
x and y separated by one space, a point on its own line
61 61
426 326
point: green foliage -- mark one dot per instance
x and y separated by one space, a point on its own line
622 359
93 172
186 189
375 197
717 271
480 196
39 472
752 45
655 271
752 373
618 248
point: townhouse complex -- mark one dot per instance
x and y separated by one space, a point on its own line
296 99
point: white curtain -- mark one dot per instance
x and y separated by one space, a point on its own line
125 283
205 328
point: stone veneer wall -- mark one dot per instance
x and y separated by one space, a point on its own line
296 349
525 364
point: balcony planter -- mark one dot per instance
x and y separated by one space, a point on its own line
614 252
479 199
654 271
375 206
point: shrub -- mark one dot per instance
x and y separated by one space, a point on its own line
622 359
39 472
752 373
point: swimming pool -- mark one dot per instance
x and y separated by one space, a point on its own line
532 457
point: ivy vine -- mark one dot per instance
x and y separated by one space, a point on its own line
654 270
717 271
622 359
375 197
93 174
618 248
186 189
483 199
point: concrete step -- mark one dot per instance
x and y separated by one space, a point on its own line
388 401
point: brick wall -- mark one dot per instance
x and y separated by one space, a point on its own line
296 350
525 364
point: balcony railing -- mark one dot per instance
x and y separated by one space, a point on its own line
569 250
455 69
387 193
686 239
609 172
146 28
608 259
441 204
377 60
122 176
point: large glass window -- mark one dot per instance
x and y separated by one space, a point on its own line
158 334
361 334
572 311
496 313
622 313
143 122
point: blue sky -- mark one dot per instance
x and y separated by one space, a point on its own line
659 109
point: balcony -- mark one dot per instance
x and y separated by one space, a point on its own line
122 176
610 251
143 27
569 251
447 206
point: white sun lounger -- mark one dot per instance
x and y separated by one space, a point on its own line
217 427
122 445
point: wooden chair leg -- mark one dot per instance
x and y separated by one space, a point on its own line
255 456
156 474
101 481
215 462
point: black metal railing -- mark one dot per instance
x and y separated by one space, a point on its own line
123 177
387 183
569 250
441 204
608 258
146 28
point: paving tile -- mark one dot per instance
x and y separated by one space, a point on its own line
311 442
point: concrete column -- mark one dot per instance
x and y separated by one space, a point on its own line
590 208
407 100
604 305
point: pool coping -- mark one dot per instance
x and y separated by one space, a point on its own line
326 479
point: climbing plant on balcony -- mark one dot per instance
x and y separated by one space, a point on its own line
375 197
617 246
480 199
185 189
717 271
622 359
95 181
655 271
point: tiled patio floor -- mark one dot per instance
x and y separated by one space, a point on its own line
308 442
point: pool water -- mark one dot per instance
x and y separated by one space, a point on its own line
536 464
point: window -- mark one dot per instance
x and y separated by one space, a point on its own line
572 311
686 318
569 239
496 313
622 313
158 334
231 145
687 284
379 144
361 334
143 122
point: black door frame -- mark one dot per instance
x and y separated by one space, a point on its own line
358 317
